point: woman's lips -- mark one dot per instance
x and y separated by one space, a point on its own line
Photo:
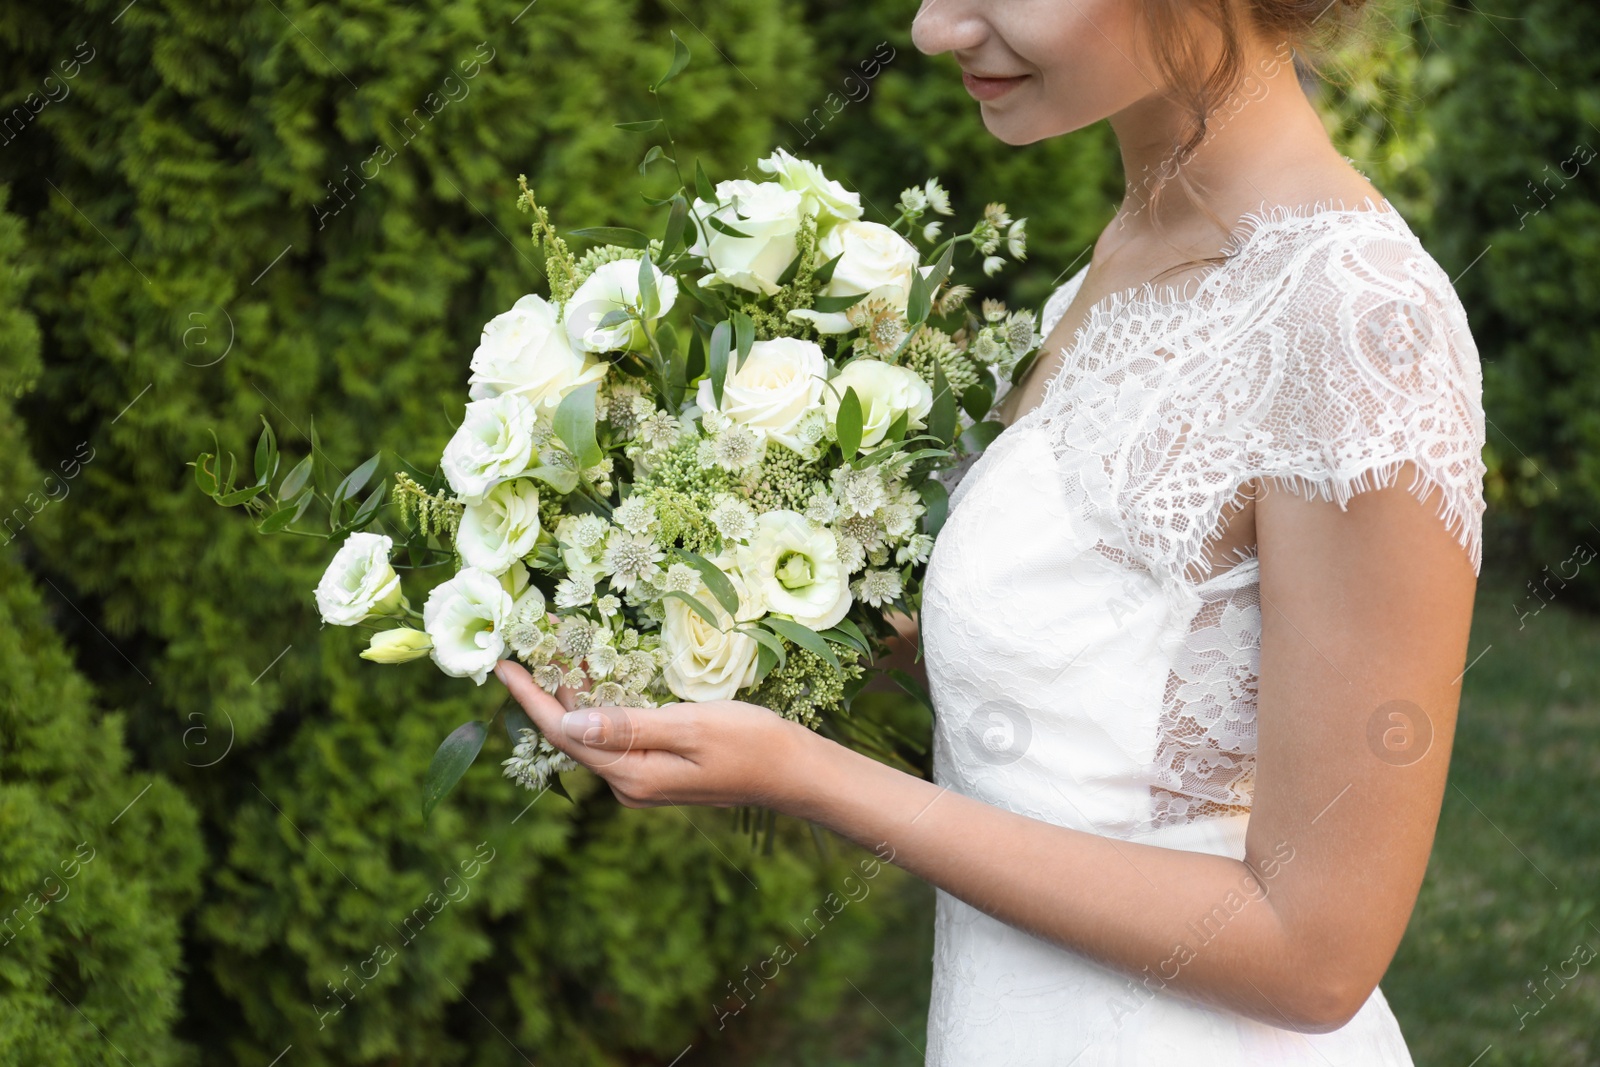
990 88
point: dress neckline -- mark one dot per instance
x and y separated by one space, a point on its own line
1148 295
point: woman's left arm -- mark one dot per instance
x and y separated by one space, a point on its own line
1365 616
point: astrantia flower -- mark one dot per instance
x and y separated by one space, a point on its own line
493 444
930 232
548 677
915 550
576 635
995 215
821 509
608 606
734 519
602 660
634 515
680 578
993 265
574 591
938 199
852 556
629 557
860 492
464 616
994 310
359 582
534 761
1020 333
658 430
878 587
913 201
735 448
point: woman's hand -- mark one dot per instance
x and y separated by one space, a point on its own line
719 753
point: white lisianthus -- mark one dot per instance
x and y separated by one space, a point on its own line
400 645
359 583
876 261
526 350
885 391
502 529
464 616
493 444
822 197
794 567
768 215
780 381
706 662
612 287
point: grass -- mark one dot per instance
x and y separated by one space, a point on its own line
1512 894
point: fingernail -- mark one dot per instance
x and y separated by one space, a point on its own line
586 726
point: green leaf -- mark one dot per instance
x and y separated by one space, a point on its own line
979 397
649 302
721 338
204 478
744 332
369 507
722 227
941 269
239 496
830 304
766 660
677 221
695 605
696 365
613 318
650 157
848 423
278 520
824 273
613 235
560 479
266 453
450 762
942 416
920 301
355 481
515 719
980 435
848 633
911 686
702 185
715 580
642 126
937 500
1023 366
768 642
680 59
574 424
803 636
790 271
295 480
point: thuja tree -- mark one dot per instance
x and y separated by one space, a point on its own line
102 860
305 211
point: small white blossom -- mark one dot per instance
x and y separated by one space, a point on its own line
878 587
930 232
658 430
915 550
574 591
629 557
714 421
548 677
534 761
736 448
993 265
576 635
821 508
1017 239
994 310
851 555
681 578
634 515
575 678
602 661
938 199
608 606
860 492
913 201
734 519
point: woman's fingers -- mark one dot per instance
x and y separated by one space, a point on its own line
544 709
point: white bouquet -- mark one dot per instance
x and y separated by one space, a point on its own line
698 467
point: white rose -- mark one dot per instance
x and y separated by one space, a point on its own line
359 583
399 645
823 197
612 287
780 381
463 616
769 215
793 566
885 391
526 350
493 444
876 261
502 529
705 662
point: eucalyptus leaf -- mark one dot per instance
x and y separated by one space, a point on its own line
613 235
574 424
715 580
561 479
920 302
979 397
677 221
450 762
942 416
702 185
649 302
744 332
642 126
768 642
680 59
266 453
824 273
696 606
979 436
830 304
295 480
723 227
848 423
936 499
803 636
721 339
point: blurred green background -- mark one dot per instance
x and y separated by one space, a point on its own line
210 846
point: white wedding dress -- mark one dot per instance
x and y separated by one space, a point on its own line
1082 675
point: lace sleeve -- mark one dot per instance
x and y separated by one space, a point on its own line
1379 369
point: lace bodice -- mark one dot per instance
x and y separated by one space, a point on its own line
1088 666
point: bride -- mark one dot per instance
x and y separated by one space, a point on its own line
1196 625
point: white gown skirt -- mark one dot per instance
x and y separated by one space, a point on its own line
1002 997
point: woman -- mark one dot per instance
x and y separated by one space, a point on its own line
1197 622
